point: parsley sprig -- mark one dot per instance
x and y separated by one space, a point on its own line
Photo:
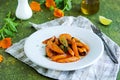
9 28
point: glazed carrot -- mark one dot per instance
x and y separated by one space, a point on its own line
80 50
70 51
74 47
87 47
54 47
79 44
49 53
56 41
65 48
57 57
69 59
76 39
67 36
51 38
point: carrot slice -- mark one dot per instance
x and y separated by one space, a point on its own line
49 53
79 44
56 41
51 38
87 47
82 51
54 47
57 57
69 59
74 47
67 36
70 51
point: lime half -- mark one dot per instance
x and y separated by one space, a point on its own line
105 21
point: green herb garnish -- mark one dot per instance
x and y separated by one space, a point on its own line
64 4
9 27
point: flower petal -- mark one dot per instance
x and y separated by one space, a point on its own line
50 3
35 6
5 43
58 13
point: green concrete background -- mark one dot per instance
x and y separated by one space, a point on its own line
13 69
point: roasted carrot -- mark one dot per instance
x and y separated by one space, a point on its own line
74 47
79 44
81 50
65 48
76 39
69 59
70 51
67 36
56 41
87 47
49 53
54 47
51 38
57 57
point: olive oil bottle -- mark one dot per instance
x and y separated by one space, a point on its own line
89 7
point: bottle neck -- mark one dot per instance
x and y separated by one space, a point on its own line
22 1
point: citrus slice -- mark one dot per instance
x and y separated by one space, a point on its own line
105 21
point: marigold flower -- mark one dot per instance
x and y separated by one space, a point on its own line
35 6
1 58
58 13
50 3
5 43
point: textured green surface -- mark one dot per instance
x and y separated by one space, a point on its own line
13 69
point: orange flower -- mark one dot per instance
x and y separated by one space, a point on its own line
58 13
50 3
1 58
35 6
5 43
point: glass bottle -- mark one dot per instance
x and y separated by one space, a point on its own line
89 7
23 10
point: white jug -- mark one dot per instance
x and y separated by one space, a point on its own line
23 10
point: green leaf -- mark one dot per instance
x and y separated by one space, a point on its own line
59 3
11 24
13 19
8 32
67 5
8 15
9 27
64 4
42 1
2 35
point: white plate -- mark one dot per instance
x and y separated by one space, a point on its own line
35 50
